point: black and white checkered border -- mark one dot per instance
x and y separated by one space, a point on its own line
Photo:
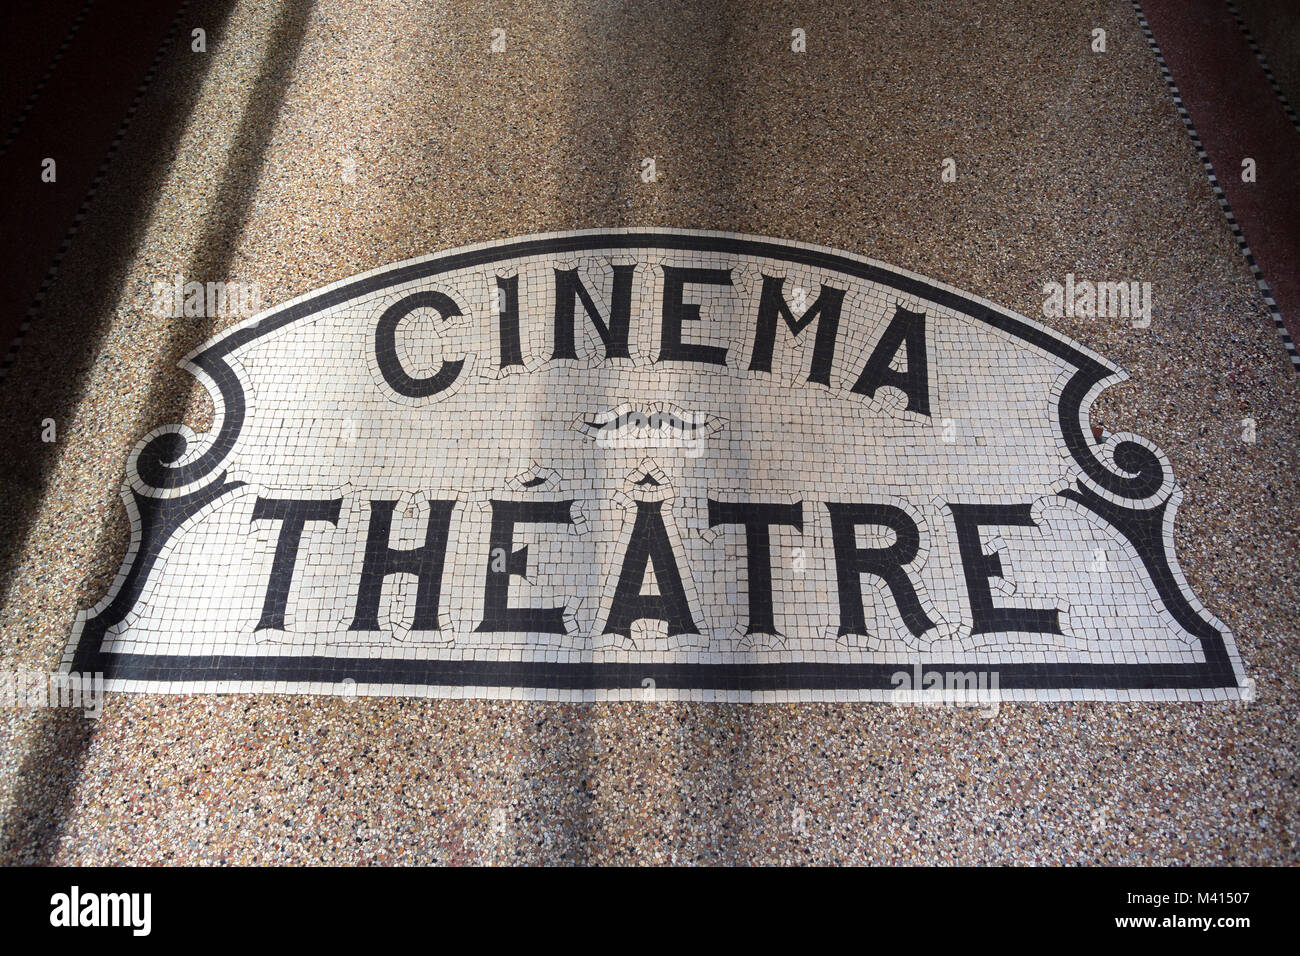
1263 62
50 274
1219 194
26 110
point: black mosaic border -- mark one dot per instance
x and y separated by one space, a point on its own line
1130 506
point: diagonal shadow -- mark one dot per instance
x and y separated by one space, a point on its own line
49 770
44 793
627 62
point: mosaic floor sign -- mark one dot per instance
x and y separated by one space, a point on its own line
652 465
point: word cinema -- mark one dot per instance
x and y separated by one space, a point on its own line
651 465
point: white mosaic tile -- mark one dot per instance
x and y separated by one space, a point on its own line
652 465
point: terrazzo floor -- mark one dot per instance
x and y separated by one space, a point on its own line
313 147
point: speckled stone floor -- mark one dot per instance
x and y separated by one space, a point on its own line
315 147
